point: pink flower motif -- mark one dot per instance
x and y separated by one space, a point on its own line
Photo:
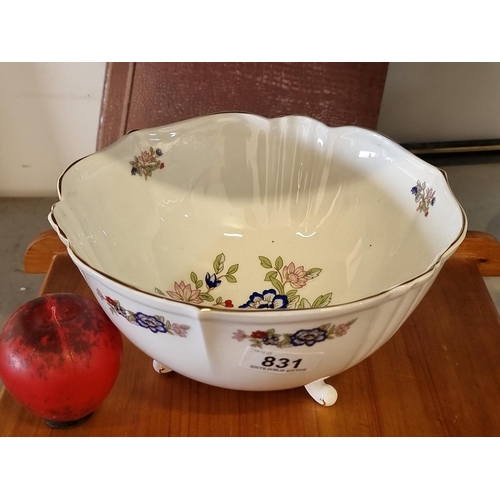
341 330
429 193
297 277
146 157
239 335
185 293
180 330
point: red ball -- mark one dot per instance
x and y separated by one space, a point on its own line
60 356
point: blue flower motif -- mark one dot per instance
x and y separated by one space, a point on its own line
121 311
433 201
414 190
134 171
212 281
159 152
271 339
308 337
151 322
268 299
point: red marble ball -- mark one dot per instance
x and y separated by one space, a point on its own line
60 356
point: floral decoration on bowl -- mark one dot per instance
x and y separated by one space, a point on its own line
155 324
301 338
286 280
424 196
147 162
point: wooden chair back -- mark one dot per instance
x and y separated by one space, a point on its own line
142 95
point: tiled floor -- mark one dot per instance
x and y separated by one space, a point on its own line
21 219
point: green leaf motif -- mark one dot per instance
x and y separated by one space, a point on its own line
278 286
314 272
322 300
230 278
278 264
331 332
304 304
219 263
199 284
207 297
265 262
194 277
233 269
270 275
159 292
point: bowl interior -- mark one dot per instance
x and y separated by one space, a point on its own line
236 210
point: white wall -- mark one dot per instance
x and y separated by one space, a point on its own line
49 113
427 102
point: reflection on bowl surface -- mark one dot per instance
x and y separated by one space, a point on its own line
229 206
239 213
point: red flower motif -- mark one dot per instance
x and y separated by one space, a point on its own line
259 334
228 303
109 300
162 165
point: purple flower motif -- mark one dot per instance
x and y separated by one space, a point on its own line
151 322
308 337
159 152
268 299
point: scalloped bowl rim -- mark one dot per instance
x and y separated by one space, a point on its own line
438 261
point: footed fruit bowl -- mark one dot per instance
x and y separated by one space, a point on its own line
257 254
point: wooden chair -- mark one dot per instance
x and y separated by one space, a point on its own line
141 95
438 376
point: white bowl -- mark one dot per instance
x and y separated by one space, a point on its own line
253 253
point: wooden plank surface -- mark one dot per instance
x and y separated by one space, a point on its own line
479 246
438 376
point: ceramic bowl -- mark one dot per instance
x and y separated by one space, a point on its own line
257 254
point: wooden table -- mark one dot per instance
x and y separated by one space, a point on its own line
438 376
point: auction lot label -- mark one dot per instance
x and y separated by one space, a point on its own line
272 361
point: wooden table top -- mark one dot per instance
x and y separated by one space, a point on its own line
438 376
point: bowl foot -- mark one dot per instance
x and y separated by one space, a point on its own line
322 393
160 368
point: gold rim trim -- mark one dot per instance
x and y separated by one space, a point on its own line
461 235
